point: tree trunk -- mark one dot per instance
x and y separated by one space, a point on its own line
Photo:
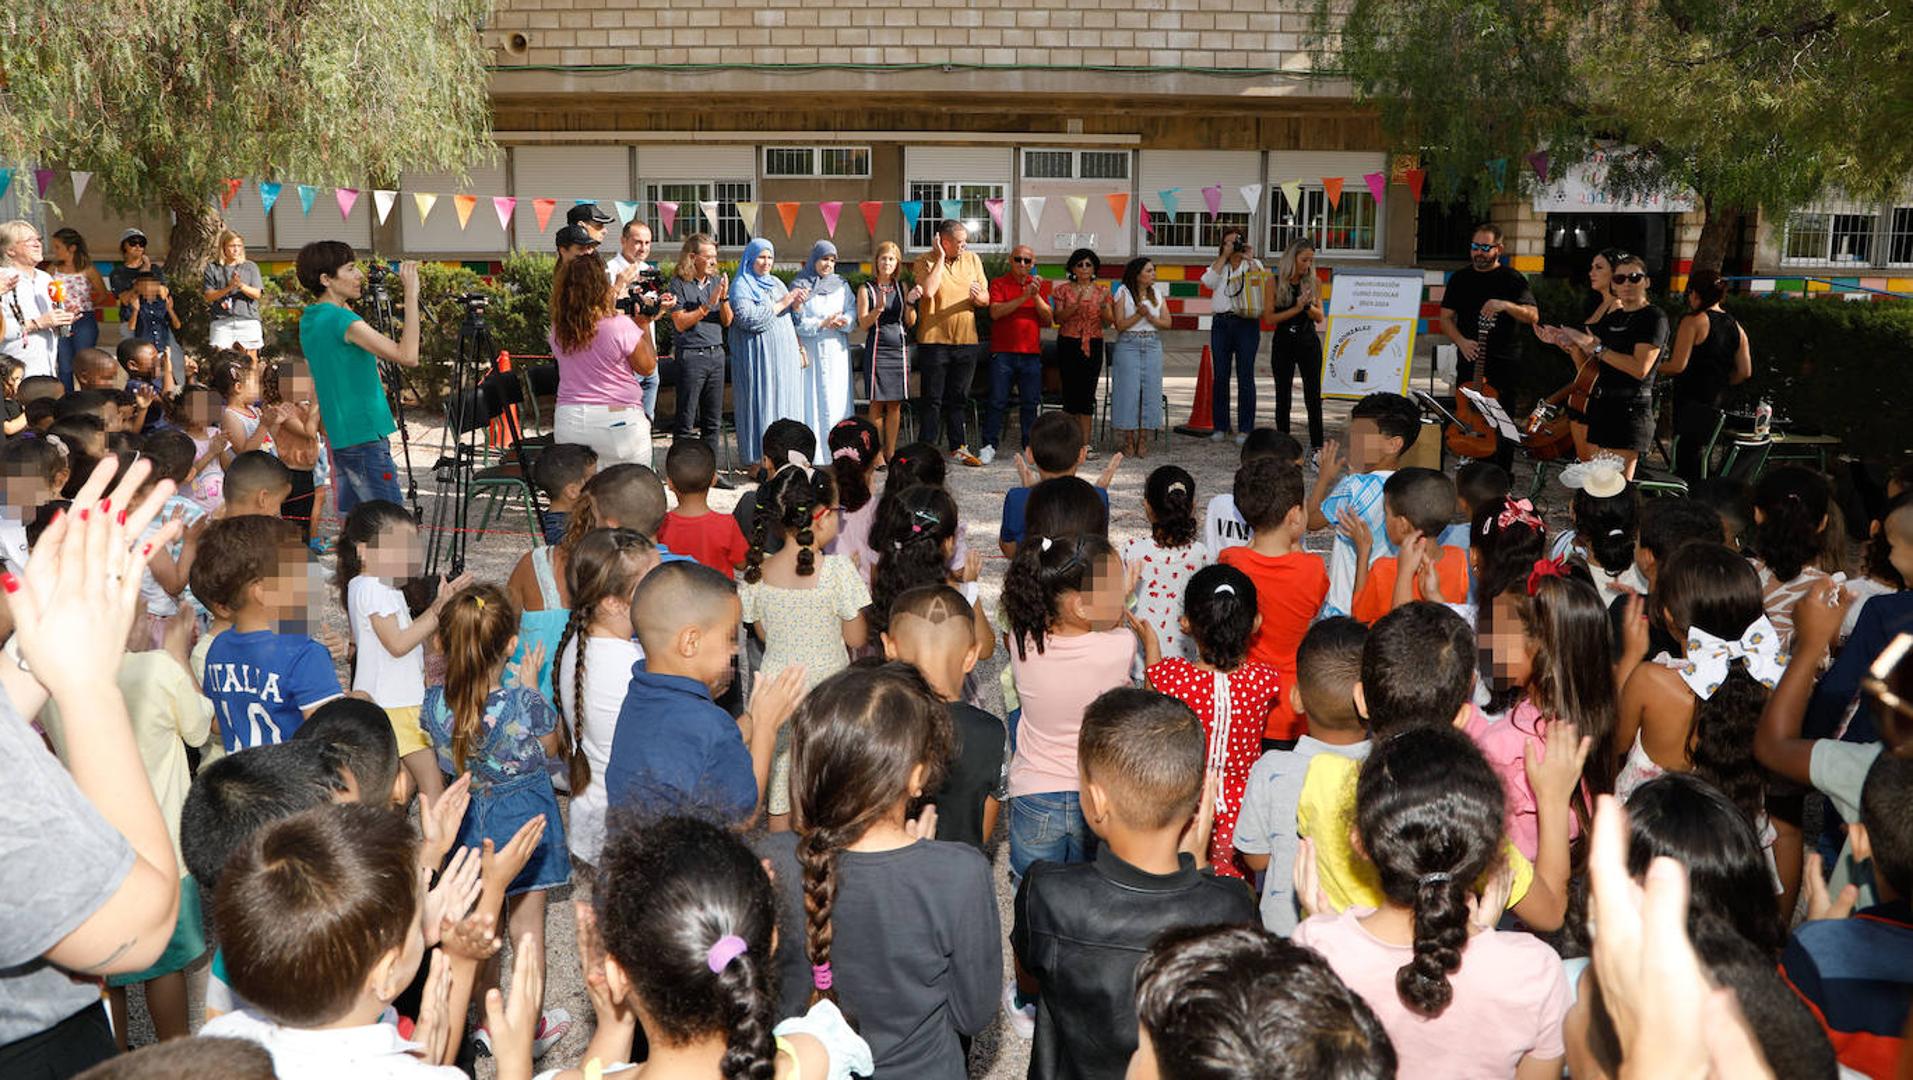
1718 233
189 247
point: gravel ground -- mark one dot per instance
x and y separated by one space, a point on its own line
997 1053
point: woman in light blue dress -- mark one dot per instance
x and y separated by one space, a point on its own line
768 381
823 326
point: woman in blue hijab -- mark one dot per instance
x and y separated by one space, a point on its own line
824 320
768 380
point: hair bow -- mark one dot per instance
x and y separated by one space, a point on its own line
843 452
1544 569
1709 658
1042 543
56 442
1518 512
796 460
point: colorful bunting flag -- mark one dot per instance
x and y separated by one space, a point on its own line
423 200
347 198
542 209
1332 187
80 180
41 178
831 211
6 181
1171 198
1251 196
307 193
382 202
1077 204
1118 205
748 211
503 205
626 210
708 208
1415 179
268 195
667 215
912 210
995 207
1212 198
226 194
1377 185
1292 194
1148 225
788 212
952 208
1498 168
871 209
464 204
1033 209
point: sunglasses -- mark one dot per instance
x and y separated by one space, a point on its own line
136 242
1020 261
1630 279
1482 247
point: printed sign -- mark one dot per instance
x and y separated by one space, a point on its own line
1371 332
1583 190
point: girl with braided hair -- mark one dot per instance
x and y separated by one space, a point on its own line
595 656
805 606
1457 997
899 929
914 541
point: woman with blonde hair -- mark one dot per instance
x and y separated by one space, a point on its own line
30 321
1294 307
600 355
233 288
703 311
887 310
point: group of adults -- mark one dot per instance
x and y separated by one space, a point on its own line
1620 349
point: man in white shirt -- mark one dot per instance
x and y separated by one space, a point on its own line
634 249
1235 331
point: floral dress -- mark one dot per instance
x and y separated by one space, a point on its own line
1165 575
1233 708
511 778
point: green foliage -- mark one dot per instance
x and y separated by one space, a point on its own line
1835 367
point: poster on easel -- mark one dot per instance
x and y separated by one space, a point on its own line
1371 331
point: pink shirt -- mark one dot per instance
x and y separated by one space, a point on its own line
1510 995
1504 744
1055 686
600 373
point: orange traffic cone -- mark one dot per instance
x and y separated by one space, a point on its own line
501 427
1201 414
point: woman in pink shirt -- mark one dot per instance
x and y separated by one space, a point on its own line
601 352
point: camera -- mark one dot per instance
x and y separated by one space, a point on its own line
645 296
1241 246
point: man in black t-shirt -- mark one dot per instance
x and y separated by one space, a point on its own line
1487 289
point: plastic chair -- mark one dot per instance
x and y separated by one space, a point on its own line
1747 458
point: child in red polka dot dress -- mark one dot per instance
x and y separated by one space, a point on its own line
1230 693
1165 559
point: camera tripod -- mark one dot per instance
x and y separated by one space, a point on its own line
379 315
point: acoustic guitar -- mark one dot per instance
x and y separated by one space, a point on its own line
1549 433
1476 437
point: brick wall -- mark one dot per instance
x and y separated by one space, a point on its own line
1201 34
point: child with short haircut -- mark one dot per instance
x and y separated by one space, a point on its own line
1476 484
897 928
1417 505
40 414
1290 583
1229 692
1081 930
1327 667
675 751
180 1059
1168 557
148 379
806 607
199 410
933 629
1070 640
560 472
1222 524
596 655
151 315
359 742
167 574
1218 1003
1056 448
265 676
97 369
694 529
1457 997
101 405
256 483
1381 428
379 552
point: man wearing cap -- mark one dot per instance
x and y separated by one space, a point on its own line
573 241
134 260
634 249
591 217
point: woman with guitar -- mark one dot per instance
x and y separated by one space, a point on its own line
1553 429
1624 350
1710 354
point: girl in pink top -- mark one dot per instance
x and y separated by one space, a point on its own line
1458 998
1554 643
1063 599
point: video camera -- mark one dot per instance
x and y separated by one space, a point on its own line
645 296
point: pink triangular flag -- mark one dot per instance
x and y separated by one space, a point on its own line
1212 197
995 207
382 202
831 211
1118 205
667 215
1148 225
1539 161
41 178
1332 185
871 210
347 198
503 205
1377 184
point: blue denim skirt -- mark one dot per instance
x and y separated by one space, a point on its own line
499 810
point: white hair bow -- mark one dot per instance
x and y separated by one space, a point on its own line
797 460
1709 658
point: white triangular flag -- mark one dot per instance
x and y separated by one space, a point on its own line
709 207
80 180
1033 210
1251 196
1077 204
382 201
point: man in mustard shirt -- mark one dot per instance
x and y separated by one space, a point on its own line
954 286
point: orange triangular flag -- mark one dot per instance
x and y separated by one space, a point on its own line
464 204
788 211
1118 204
226 197
1332 185
543 208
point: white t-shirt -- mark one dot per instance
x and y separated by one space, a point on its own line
608 664
1126 306
13 542
368 1052
1223 527
616 265
395 682
26 301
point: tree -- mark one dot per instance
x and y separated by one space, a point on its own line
1748 103
175 96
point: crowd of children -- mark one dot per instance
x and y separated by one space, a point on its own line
1269 812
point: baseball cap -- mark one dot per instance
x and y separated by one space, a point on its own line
132 234
591 212
575 236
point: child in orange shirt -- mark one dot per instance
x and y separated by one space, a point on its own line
1290 583
1417 504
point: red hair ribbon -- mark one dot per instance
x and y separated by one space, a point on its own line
1544 569
1518 512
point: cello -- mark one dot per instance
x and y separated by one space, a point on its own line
1476 437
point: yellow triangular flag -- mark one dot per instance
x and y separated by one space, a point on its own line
1077 204
748 211
424 203
1292 191
464 204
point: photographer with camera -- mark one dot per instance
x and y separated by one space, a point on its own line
1234 330
343 352
703 311
634 249
600 337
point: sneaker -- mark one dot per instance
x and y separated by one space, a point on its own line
1021 1020
1242 438
988 455
552 1027
962 455
1218 435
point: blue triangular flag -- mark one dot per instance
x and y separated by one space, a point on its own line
952 209
1498 168
307 193
912 210
6 181
1169 197
268 194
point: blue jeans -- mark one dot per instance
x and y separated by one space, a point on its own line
649 384
1232 345
1048 827
85 335
364 472
1135 379
1027 371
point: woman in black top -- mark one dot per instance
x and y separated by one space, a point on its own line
1628 342
1710 354
1294 306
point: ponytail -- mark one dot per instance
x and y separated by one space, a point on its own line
1171 494
817 855
853 450
750 1049
606 563
1721 741
572 727
909 542
475 630
791 498
1043 569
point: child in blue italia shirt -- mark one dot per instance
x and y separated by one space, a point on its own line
1381 428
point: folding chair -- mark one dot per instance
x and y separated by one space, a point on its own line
510 477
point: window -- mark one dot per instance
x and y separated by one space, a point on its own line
687 194
808 161
1193 230
1899 237
984 231
1075 164
1350 228
1817 238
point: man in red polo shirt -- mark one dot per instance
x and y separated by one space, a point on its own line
1019 310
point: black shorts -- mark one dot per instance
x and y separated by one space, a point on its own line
1621 423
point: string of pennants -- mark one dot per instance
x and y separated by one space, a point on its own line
505 206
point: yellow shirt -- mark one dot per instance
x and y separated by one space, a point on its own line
1326 815
948 316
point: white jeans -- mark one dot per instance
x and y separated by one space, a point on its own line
620 434
245 333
